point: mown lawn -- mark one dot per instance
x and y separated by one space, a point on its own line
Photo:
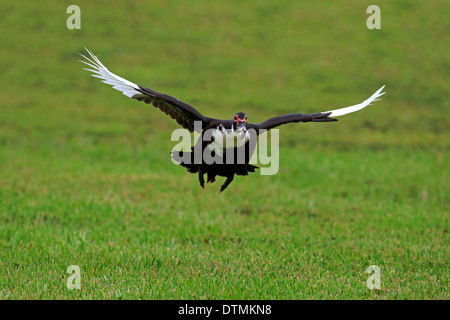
86 177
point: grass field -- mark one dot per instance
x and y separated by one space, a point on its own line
86 177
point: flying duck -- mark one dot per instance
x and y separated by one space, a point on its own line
233 139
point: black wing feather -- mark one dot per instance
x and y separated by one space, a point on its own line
296 117
183 113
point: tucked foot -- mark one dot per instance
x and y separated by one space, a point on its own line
201 179
211 178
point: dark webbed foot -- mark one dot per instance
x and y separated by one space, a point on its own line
201 179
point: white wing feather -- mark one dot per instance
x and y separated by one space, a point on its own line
356 107
128 88
100 71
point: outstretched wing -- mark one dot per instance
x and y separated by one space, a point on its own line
316 117
183 113
288 118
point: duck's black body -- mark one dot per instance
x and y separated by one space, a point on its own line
244 134
222 166
235 160
212 170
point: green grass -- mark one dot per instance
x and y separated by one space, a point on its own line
86 177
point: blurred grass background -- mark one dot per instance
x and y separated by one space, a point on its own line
86 177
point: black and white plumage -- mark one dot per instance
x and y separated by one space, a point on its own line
238 127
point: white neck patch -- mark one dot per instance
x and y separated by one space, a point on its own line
227 138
